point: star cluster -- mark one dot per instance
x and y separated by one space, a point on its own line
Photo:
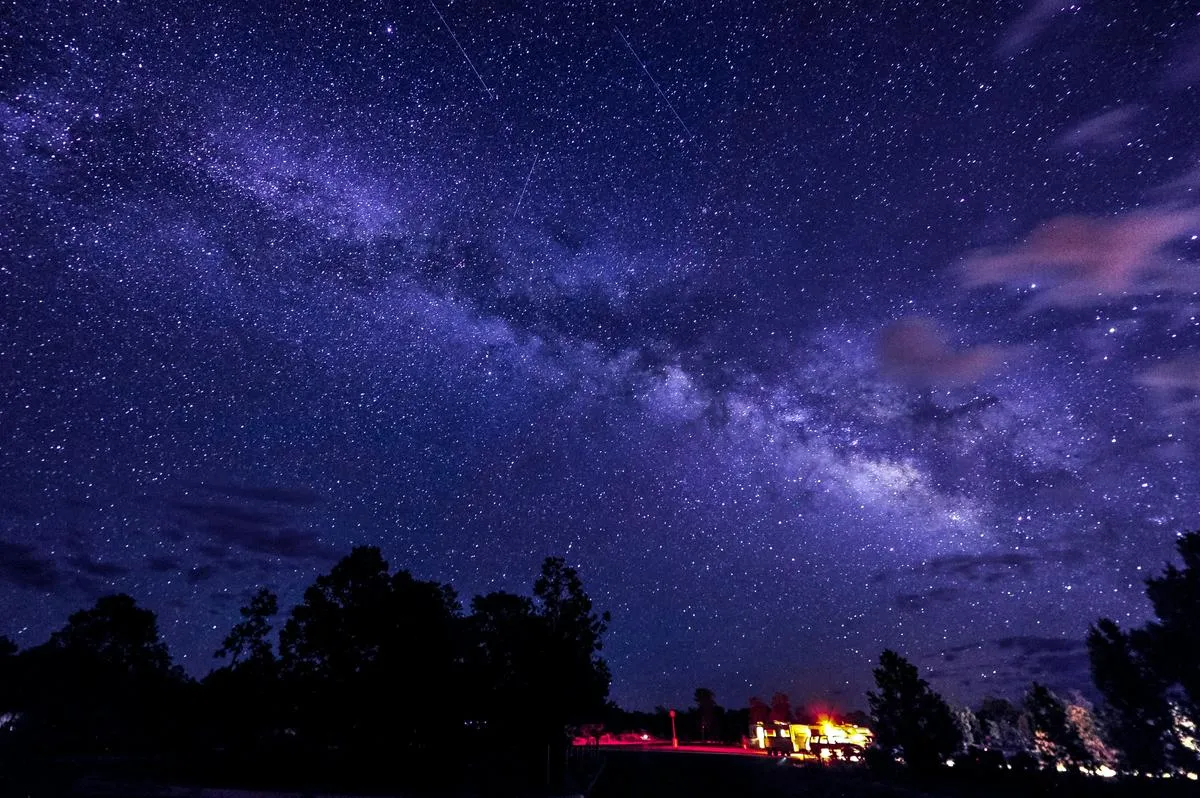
801 331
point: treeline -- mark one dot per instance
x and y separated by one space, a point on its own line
1149 678
378 679
706 722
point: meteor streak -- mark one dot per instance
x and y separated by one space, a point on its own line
654 82
462 50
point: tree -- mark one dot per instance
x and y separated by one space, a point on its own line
910 716
338 628
1136 712
1173 640
9 690
1081 715
969 727
858 718
1003 725
759 711
1057 740
781 708
706 706
244 700
117 636
249 637
579 678
374 658
536 663
505 662
1150 677
103 683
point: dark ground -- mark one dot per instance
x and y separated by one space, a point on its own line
629 774
622 773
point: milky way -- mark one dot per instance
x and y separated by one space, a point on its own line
800 332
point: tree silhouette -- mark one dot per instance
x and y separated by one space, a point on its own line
578 678
117 636
706 707
536 664
244 700
1003 725
338 629
249 637
1056 738
373 659
1151 673
505 662
1136 712
9 676
910 716
781 708
759 712
1082 716
103 683
1173 640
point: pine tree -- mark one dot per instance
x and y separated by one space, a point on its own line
910 716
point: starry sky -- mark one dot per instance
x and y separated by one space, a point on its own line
801 329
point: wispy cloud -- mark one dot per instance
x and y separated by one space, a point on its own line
1103 131
1078 260
913 351
23 566
1175 383
1036 19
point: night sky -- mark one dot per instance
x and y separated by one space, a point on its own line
802 331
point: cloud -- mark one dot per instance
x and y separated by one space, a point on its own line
201 573
162 565
1184 69
1035 645
1033 23
986 568
1180 374
912 350
1012 662
267 493
22 566
916 602
983 567
97 568
286 543
1076 260
215 513
1058 659
1107 130
251 526
1175 383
